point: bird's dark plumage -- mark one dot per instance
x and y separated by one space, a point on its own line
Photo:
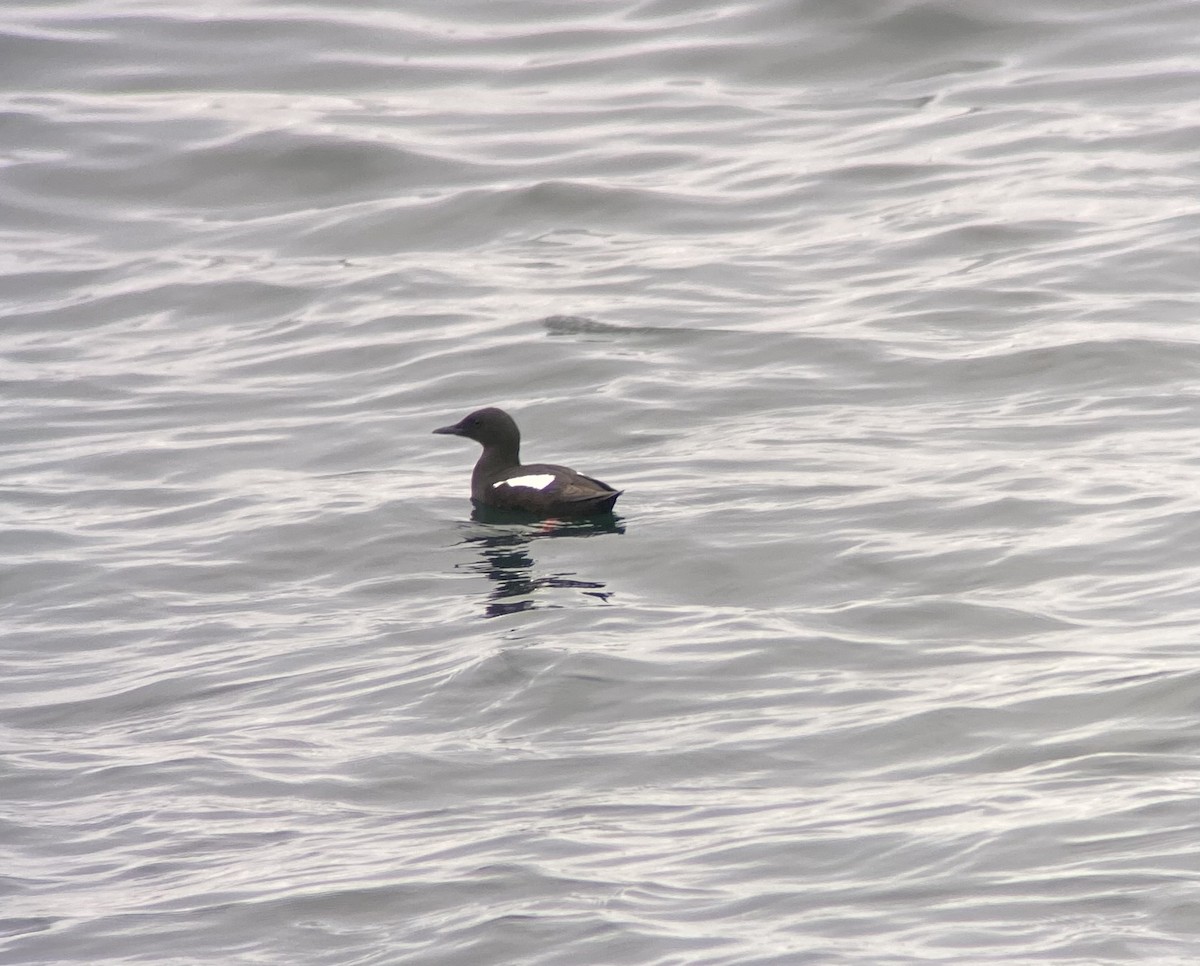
500 481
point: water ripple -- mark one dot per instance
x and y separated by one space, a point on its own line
882 316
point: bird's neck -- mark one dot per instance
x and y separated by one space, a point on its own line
495 459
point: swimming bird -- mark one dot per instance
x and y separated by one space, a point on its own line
500 481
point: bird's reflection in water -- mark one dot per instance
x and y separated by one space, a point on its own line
504 543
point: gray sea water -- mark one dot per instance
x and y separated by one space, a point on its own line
882 313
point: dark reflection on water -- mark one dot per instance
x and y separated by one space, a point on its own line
506 556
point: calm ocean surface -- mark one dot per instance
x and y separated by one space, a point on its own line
882 313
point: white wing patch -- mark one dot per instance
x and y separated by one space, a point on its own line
535 481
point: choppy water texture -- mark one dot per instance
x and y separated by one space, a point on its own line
881 312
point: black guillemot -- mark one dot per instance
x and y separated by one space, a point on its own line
501 482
